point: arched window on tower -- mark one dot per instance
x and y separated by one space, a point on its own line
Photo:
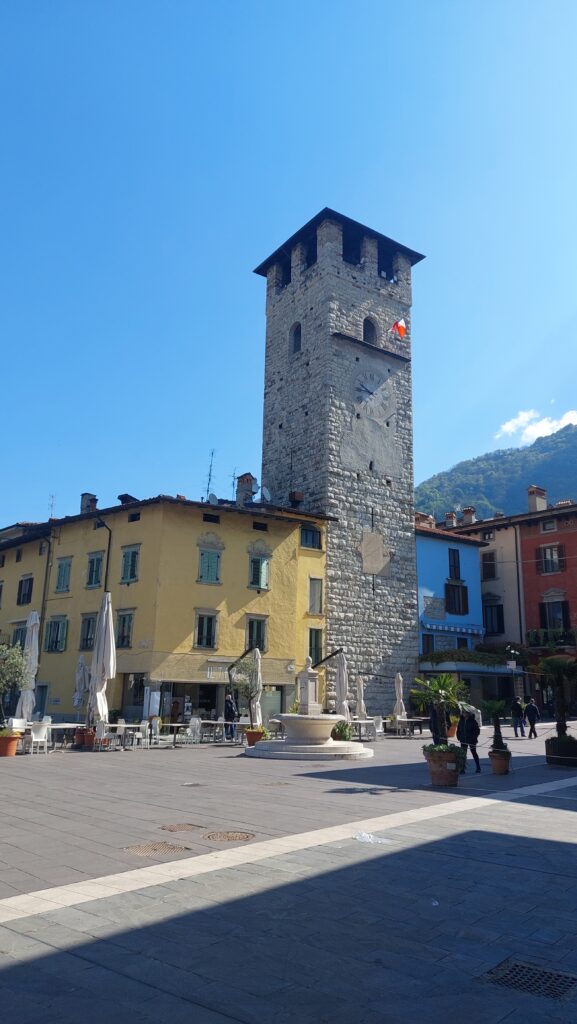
296 338
369 331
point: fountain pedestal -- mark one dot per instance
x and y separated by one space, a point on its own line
308 734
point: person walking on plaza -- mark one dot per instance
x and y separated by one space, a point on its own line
230 716
518 716
468 734
532 715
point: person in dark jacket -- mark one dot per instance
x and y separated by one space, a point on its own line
532 715
230 716
468 734
434 724
518 716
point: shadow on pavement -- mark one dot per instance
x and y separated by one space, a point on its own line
351 932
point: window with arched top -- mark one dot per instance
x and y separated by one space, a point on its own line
369 331
296 338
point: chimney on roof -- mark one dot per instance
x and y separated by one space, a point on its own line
424 521
469 516
537 499
88 502
246 487
450 520
126 499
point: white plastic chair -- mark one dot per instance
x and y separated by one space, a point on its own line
140 737
38 736
379 728
103 733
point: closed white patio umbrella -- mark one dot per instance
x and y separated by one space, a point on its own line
361 707
81 682
103 665
399 709
27 699
342 687
256 688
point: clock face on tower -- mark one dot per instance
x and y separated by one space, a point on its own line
374 397
369 436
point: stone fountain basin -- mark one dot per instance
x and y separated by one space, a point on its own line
309 729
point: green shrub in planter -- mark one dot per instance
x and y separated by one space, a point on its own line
342 731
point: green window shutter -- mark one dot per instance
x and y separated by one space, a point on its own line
209 566
125 565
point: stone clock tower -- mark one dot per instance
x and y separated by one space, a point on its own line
338 432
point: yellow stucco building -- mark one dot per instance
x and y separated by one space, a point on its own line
193 586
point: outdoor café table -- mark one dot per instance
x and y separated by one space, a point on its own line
211 730
126 728
64 727
411 724
176 727
358 725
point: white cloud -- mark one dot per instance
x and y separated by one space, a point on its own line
528 425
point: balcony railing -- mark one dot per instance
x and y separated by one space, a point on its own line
546 637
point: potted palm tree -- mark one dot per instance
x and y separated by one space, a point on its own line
499 753
441 695
560 670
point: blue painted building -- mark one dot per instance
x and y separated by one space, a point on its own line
449 583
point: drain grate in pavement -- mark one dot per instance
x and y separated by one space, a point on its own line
537 981
155 849
187 826
229 837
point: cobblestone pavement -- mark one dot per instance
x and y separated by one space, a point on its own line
312 919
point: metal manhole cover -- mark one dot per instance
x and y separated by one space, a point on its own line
155 849
187 826
229 837
537 981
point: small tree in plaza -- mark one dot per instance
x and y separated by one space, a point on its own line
559 670
444 693
12 672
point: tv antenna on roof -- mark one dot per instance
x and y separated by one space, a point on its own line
209 481
234 483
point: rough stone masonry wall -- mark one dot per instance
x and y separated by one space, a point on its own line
307 407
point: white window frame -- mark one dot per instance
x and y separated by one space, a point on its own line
263 572
205 613
28 576
56 634
320 595
128 615
261 619
84 618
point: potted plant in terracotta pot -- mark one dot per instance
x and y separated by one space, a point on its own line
441 695
12 672
560 671
9 740
499 753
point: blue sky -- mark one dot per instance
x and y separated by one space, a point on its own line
155 152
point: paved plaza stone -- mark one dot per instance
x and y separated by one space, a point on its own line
365 895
